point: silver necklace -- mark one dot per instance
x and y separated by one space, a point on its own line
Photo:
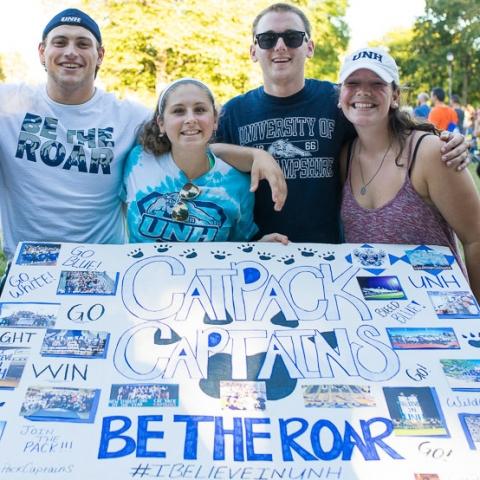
363 189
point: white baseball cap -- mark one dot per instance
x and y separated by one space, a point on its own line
375 59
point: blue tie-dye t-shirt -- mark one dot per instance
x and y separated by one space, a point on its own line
223 211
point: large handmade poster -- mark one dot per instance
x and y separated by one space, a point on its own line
238 361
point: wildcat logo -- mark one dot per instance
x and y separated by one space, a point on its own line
284 149
204 221
370 257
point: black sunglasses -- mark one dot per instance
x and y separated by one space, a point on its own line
291 38
180 210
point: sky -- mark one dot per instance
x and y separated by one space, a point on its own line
22 21
372 19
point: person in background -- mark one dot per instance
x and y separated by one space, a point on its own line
298 122
394 190
441 115
468 126
64 143
176 189
455 104
422 109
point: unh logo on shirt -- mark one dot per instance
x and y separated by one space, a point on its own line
204 221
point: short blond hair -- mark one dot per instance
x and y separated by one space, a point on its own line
423 96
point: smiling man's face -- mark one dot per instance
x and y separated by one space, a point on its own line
71 56
281 64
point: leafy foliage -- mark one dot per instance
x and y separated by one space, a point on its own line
150 43
448 26
400 45
331 33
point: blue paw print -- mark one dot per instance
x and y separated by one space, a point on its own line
307 252
247 247
189 253
136 253
287 259
474 340
162 248
220 254
328 256
265 255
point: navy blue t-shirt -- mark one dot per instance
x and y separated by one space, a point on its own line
304 132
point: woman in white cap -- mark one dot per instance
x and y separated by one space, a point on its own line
175 188
396 190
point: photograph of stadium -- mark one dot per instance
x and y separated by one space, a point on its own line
38 253
423 338
85 282
423 259
415 411
381 288
462 375
454 305
471 426
58 404
144 395
75 344
337 396
12 364
28 315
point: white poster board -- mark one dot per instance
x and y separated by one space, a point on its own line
238 361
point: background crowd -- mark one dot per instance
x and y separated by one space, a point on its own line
467 118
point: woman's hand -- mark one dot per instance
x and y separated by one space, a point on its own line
275 237
455 151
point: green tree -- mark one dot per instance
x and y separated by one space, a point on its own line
400 45
150 43
449 26
331 36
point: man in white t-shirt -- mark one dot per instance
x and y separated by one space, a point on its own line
63 145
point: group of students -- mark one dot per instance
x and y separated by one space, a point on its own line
455 117
72 160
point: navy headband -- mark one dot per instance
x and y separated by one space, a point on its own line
73 16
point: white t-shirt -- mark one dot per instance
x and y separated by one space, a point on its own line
61 166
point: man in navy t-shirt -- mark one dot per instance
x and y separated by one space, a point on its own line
297 120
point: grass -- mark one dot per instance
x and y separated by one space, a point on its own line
472 167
